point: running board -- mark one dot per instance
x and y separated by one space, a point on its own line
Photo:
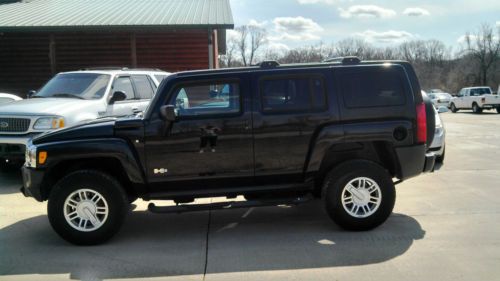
183 208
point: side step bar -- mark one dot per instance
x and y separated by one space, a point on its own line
183 208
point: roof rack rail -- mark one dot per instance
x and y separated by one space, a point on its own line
120 68
268 64
345 60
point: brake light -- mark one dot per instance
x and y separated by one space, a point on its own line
421 123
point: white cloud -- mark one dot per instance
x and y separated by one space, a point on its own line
294 37
232 34
278 47
498 24
296 25
295 29
255 23
390 36
416 12
364 11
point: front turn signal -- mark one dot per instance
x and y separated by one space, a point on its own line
42 157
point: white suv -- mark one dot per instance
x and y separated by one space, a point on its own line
73 97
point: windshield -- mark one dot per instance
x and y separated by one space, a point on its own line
88 86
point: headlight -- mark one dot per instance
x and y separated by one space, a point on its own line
49 123
30 156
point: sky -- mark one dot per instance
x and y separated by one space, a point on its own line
295 23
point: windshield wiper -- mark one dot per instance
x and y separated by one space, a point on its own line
66 95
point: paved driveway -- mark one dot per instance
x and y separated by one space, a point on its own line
446 226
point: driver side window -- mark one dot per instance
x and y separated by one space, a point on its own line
207 99
124 84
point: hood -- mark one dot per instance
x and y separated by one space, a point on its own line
47 106
93 129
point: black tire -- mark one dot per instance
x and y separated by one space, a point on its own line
476 109
337 180
108 187
453 108
498 110
440 158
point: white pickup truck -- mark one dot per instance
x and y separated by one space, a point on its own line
475 98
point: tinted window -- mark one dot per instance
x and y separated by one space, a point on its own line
142 86
207 99
292 94
374 87
125 85
480 91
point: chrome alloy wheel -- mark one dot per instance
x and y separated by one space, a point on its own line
86 210
361 197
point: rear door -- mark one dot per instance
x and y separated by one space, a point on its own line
287 111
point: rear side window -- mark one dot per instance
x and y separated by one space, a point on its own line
292 94
143 87
373 87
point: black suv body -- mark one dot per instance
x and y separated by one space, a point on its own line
345 132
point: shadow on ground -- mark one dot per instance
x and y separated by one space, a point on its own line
273 238
10 181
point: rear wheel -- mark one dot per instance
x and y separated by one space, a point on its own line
453 108
359 195
476 109
87 207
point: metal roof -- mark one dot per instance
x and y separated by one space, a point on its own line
76 15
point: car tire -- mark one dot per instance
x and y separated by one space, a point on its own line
498 110
87 207
373 201
453 108
440 158
476 109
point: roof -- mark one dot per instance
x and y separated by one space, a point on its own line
125 71
77 15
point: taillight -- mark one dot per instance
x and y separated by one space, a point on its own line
421 123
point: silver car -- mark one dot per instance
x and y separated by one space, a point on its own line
73 97
438 143
440 99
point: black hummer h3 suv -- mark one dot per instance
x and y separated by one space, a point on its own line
344 131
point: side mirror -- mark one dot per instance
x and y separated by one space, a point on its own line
117 96
30 94
442 109
167 113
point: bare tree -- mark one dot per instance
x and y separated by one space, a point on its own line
484 48
258 37
248 41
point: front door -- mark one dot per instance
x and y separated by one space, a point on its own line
210 145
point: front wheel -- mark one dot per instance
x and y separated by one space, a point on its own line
87 207
453 108
359 195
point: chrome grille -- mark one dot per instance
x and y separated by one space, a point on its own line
14 125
